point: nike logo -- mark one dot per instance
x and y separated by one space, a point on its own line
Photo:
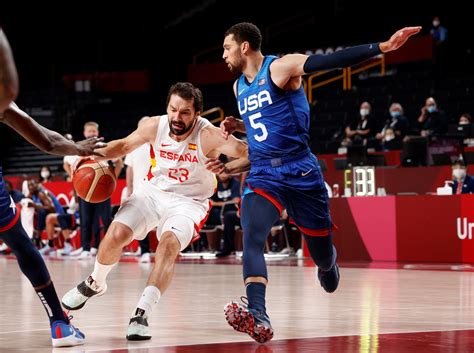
306 173
176 229
165 144
241 91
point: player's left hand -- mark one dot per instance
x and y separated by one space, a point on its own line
215 165
88 147
399 38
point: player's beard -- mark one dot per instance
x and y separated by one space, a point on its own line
182 129
237 67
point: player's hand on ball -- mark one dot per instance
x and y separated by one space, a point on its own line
89 147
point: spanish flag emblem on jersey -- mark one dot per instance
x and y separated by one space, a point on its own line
192 146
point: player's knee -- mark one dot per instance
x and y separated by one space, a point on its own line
169 245
119 234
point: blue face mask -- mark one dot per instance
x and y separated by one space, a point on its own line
431 108
395 114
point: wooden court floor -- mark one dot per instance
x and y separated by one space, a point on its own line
399 309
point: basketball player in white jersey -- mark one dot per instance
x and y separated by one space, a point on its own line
174 198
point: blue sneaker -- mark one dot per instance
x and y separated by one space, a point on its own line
66 335
248 320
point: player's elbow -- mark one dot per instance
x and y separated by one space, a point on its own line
8 94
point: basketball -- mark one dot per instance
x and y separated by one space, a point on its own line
94 181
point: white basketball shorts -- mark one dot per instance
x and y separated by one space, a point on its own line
149 207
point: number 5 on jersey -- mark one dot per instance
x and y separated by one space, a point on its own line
258 126
180 174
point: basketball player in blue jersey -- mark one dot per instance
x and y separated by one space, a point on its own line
11 231
284 174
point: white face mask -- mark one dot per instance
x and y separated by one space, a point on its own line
364 112
459 173
45 174
389 137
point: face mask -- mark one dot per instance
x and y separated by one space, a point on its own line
364 112
395 114
389 137
45 174
431 108
459 173
435 23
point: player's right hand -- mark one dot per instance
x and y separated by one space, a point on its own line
228 126
89 146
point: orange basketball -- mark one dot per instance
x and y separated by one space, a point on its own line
94 181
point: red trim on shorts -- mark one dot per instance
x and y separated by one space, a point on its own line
13 221
73 222
198 228
315 232
269 198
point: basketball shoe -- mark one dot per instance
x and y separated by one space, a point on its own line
245 319
138 329
66 335
76 297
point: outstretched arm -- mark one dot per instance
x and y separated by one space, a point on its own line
295 65
8 74
46 140
145 133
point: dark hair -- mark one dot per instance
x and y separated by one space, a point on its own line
467 116
459 162
187 91
246 32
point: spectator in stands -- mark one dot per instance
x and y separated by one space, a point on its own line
43 204
224 202
439 35
432 120
390 140
438 32
463 183
15 194
397 122
361 129
465 119
45 174
67 222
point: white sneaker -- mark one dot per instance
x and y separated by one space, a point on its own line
46 250
85 255
76 252
66 250
138 329
93 251
145 258
76 297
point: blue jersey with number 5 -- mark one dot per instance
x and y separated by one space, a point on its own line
277 121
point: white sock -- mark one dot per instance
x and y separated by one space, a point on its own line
150 297
100 273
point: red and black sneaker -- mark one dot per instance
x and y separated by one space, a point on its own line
244 319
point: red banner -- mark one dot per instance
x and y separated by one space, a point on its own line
405 228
